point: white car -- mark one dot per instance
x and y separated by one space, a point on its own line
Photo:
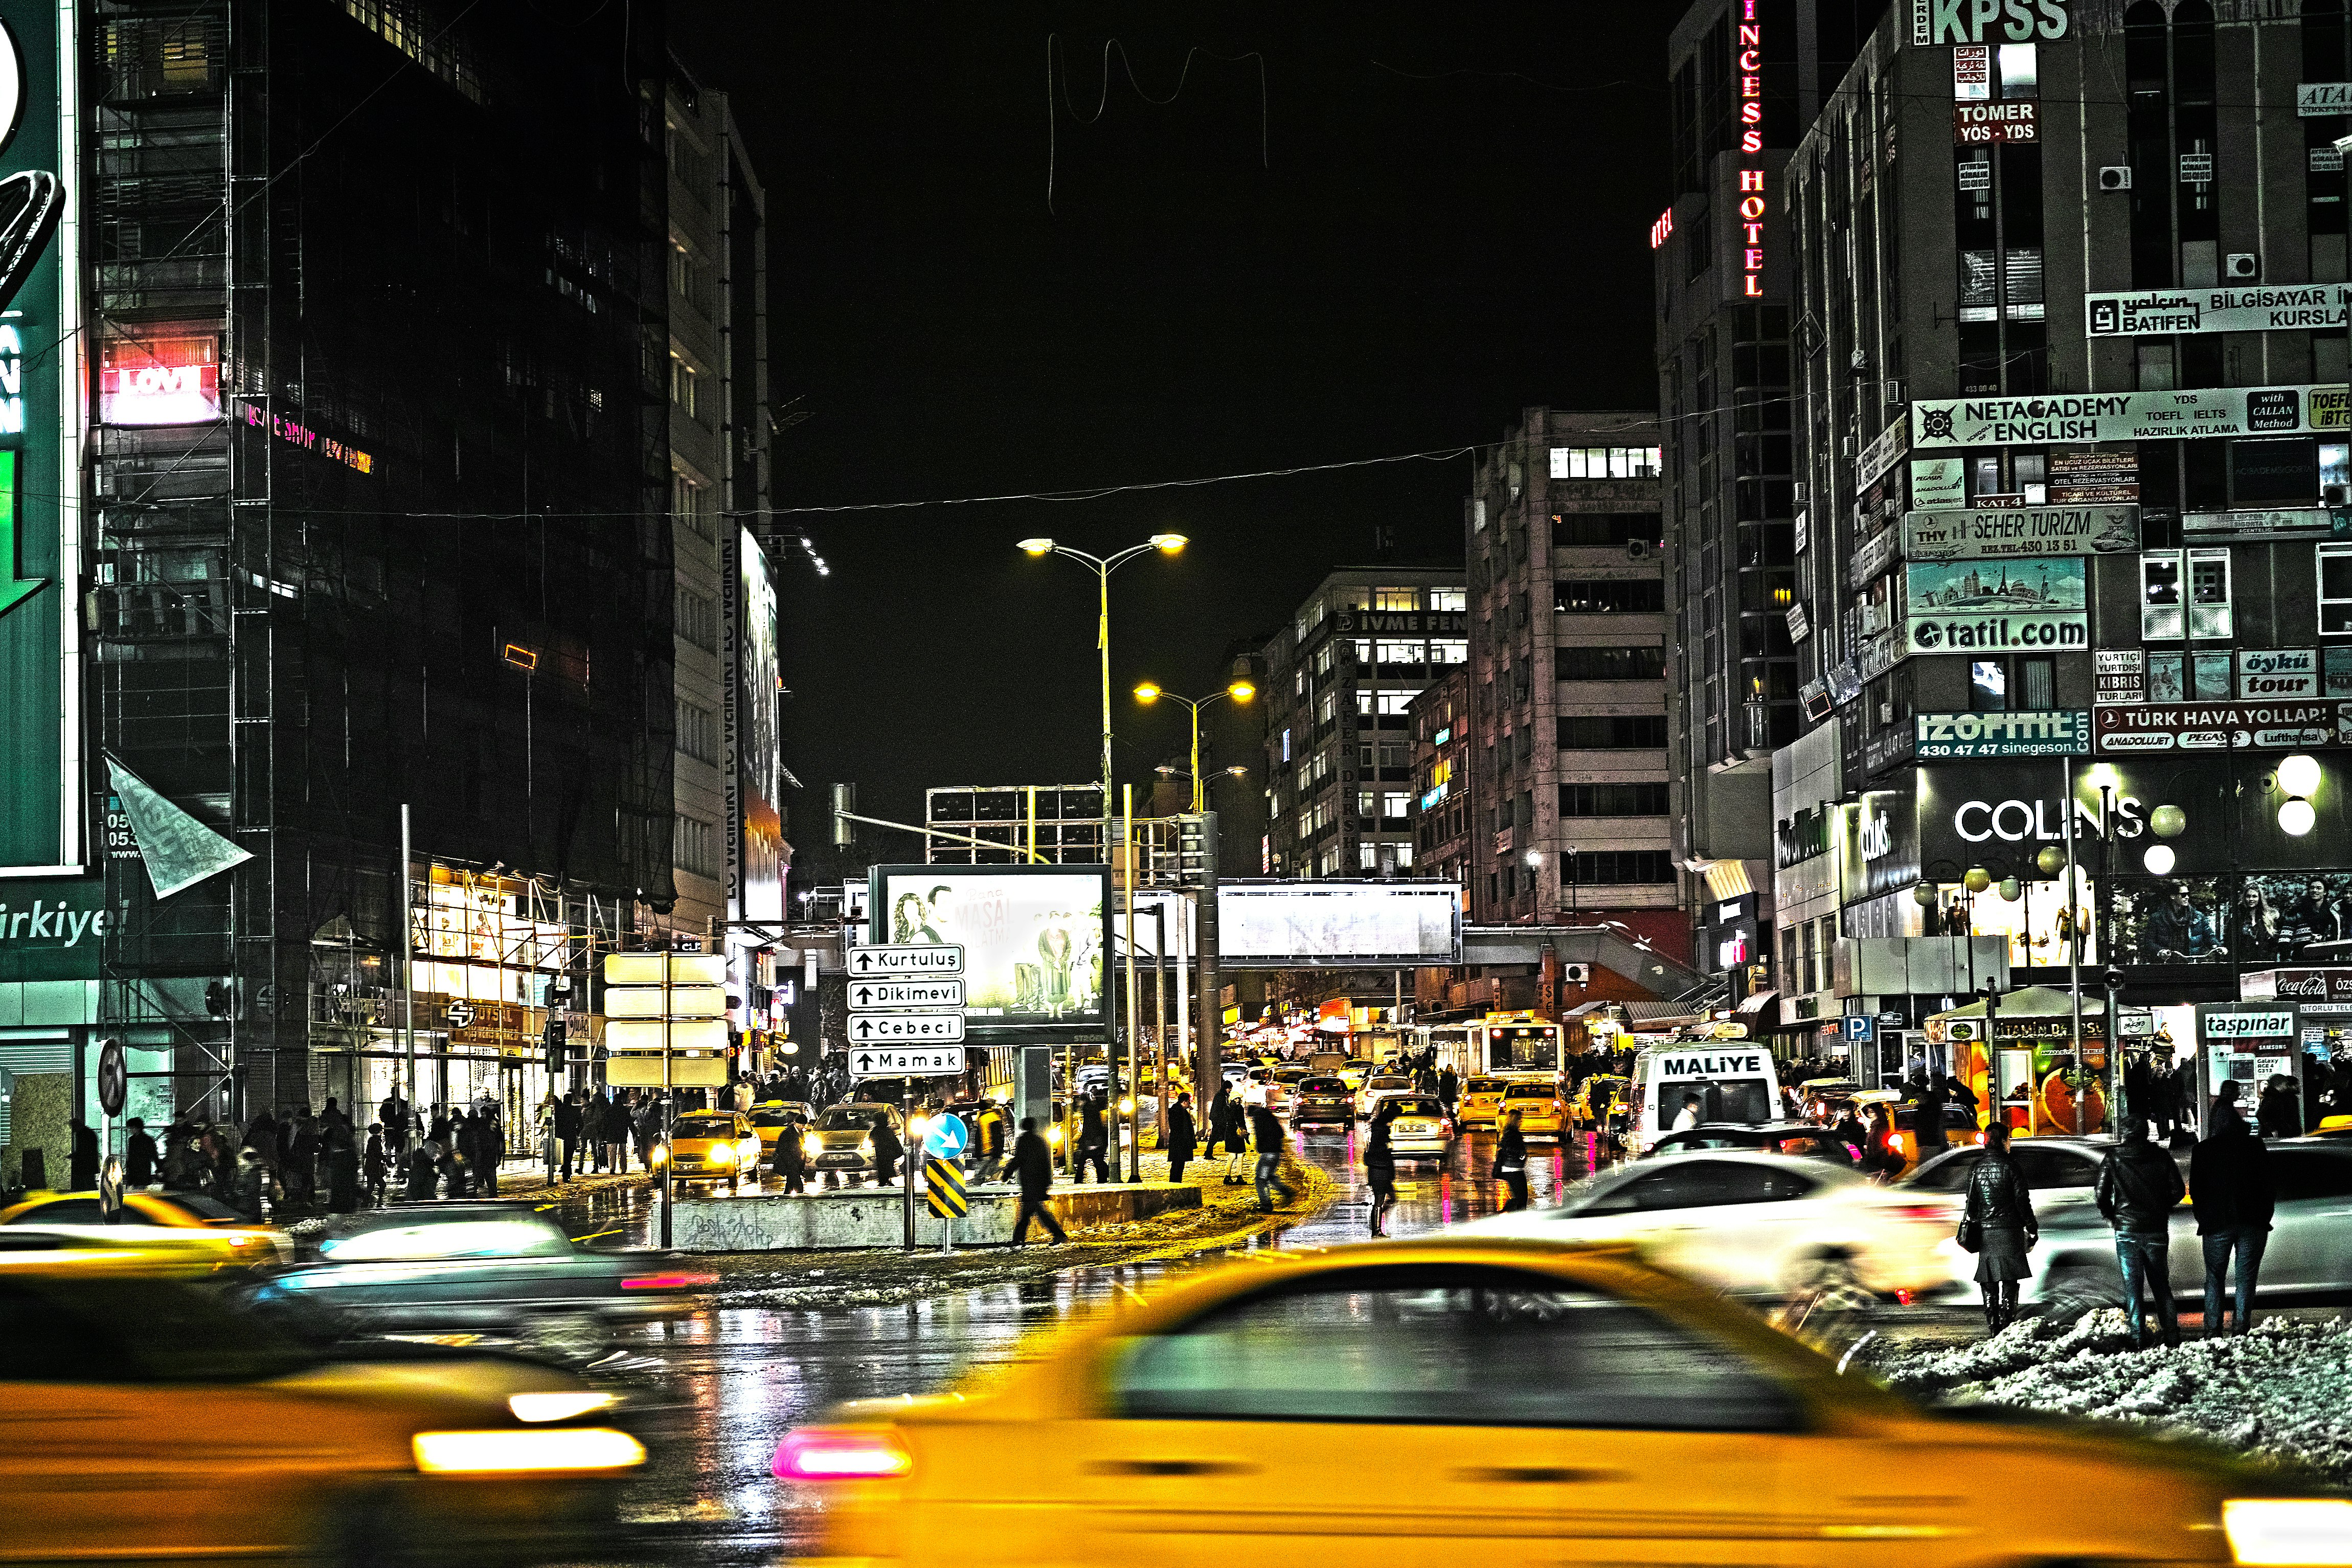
1421 1127
1375 1087
1750 1224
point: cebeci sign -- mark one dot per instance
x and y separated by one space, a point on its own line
1997 533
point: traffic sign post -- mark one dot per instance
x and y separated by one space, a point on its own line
113 1093
665 1028
1860 1029
906 1020
906 961
947 1137
904 1061
894 1028
944 1189
878 996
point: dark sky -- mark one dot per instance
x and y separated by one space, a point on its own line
1450 224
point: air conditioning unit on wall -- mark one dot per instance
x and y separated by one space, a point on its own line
2114 177
2242 266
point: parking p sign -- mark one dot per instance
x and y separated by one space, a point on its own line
1859 1029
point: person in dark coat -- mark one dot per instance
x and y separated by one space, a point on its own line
341 1164
1270 1142
1094 1140
2230 1188
1179 1136
791 1159
567 1132
888 1151
1928 1122
2001 1211
1511 1163
2138 1189
1033 1167
2277 1114
376 1166
1848 1130
423 1172
1379 1173
138 1157
84 1161
1449 1089
1224 1117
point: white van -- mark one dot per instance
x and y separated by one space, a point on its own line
1735 1083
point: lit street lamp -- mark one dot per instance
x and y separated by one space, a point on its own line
1166 544
1239 691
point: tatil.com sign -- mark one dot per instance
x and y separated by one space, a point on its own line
1966 607
1036 942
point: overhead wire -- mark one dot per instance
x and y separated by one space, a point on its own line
1057 101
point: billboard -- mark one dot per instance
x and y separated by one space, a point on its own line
1036 939
2084 417
1999 533
40 447
2060 732
755 848
1338 924
2034 605
2144 313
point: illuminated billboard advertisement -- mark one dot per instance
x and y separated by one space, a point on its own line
1338 924
1035 940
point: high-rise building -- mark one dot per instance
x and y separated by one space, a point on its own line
1445 813
1339 743
1746 77
1567 709
2068 354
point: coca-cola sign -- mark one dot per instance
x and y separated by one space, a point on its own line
2314 985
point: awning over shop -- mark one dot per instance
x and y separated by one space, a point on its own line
1758 1001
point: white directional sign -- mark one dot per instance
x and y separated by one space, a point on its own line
905 1062
916 1029
869 996
906 961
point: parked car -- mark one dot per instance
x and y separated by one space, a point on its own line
1751 1224
2309 1257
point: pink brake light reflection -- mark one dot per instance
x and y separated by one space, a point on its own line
821 1454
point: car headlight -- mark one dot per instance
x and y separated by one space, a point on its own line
1054 1135
2301 1530
865 1145
661 1153
720 1154
537 1449
560 1405
811 1145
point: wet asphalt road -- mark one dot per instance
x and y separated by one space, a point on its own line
714 1392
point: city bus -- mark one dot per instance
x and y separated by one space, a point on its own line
1517 1044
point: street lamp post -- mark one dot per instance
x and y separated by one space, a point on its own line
1240 691
1166 544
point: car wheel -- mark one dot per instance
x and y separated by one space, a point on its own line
2076 1287
367 1530
1827 1282
571 1338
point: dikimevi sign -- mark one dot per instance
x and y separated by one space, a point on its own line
41 787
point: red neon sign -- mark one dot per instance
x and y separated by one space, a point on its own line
1752 204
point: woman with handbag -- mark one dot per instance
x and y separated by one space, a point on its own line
1998 1225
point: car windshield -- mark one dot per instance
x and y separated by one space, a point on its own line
847 1118
774 1118
1324 1087
417 1234
205 1208
1413 1105
1486 1086
705 1125
1527 1091
1288 1074
1390 1082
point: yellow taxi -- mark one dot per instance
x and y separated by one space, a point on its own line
145 1419
1600 1101
1482 1100
711 1145
771 1117
1550 1405
182 1221
1543 1110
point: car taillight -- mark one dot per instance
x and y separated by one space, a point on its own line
1895 1140
1921 1211
841 1454
669 1281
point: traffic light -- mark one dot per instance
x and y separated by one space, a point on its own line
557 1050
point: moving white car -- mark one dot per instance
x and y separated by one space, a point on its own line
1419 1128
1379 1084
1751 1225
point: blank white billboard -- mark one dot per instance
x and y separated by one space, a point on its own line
1339 925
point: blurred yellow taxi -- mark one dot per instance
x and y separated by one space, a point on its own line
144 1420
1482 1100
771 1117
1599 1100
184 1221
1543 1113
1548 1407
713 1145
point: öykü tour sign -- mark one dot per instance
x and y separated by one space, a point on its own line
1964 607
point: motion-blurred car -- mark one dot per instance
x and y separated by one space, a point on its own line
1418 1126
1753 1224
1823 1099
469 1268
1527 1406
1323 1101
189 1220
1599 1104
1481 1099
1959 1122
771 1117
842 1141
2308 1257
147 1421
1799 1138
1357 1069
711 1145
1542 1110
1377 1084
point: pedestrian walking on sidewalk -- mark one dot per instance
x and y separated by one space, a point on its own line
1511 1163
2138 1189
1998 1224
374 1165
1033 1167
614 1131
888 1151
1270 1142
1179 1136
1379 1173
567 1132
1094 1140
2230 1188
341 1164
790 1161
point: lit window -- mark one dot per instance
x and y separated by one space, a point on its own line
1456 600
1396 598
1397 804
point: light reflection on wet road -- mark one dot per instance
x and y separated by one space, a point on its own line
717 1390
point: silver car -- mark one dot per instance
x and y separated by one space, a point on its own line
2075 1267
842 1141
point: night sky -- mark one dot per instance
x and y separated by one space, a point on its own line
1450 224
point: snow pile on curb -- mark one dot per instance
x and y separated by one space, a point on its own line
2281 1393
